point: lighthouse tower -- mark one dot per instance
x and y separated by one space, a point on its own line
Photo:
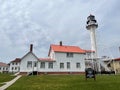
92 26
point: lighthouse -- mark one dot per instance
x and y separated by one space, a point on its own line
92 25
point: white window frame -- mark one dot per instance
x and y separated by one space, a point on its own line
29 64
68 65
78 65
42 65
50 65
69 54
61 65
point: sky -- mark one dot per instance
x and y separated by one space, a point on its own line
45 22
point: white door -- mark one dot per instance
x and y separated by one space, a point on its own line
35 66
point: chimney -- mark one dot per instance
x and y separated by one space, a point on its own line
31 47
60 43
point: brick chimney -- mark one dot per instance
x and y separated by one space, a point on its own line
31 47
60 43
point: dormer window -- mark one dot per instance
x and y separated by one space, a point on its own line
69 55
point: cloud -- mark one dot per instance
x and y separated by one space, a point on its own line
17 29
44 22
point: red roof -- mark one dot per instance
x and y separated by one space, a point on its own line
3 64
64 48
89 51
16 60
46 59
117 59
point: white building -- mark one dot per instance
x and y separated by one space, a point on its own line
4 67
29 63
61 59
14 65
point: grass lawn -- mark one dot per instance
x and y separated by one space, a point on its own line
4 77
67 82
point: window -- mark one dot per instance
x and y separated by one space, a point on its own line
15 68
69 55
6 68
42 65
50 65
3 68
13 63
78 65
16 63
0 68
35 64
29 64
61 65
68 65
12 68
88 55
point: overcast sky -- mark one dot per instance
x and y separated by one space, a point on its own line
45 22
